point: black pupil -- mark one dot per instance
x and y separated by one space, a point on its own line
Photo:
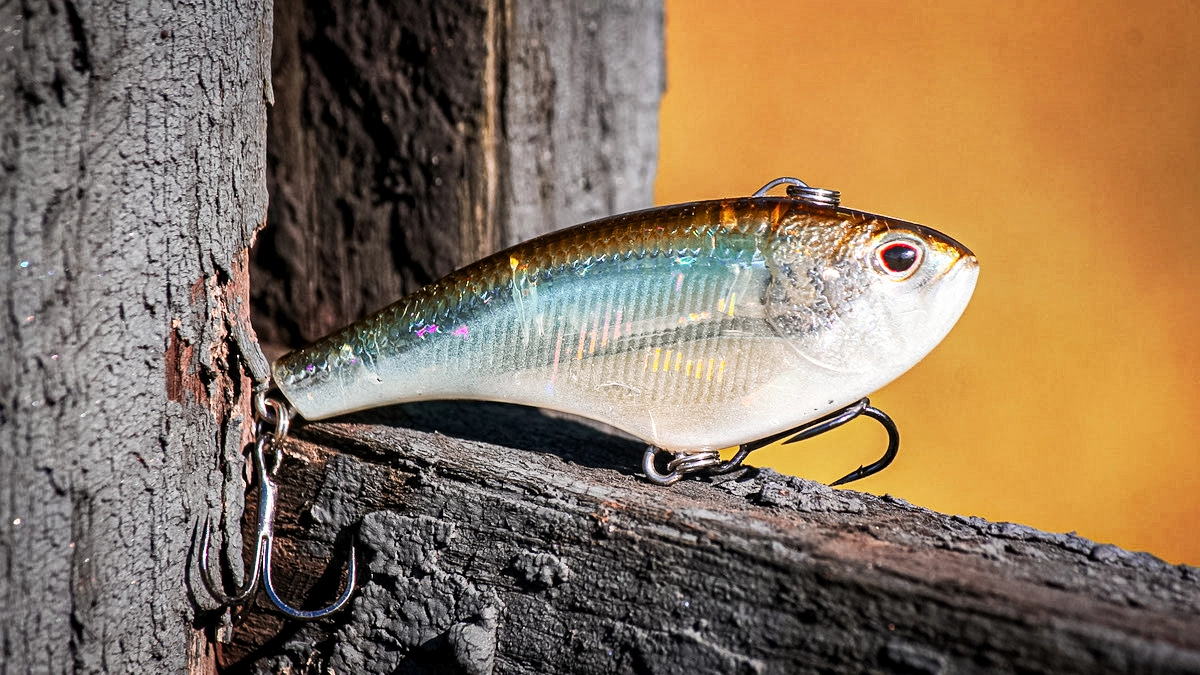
899 257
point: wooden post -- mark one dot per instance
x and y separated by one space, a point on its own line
411 138
132 154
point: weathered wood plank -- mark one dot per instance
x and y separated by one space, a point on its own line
542 551
375 158
582 84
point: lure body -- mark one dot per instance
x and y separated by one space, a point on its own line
697 326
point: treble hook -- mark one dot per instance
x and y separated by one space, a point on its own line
270 411
709 461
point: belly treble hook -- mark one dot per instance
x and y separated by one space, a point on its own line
273 419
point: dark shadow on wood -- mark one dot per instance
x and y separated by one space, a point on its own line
514 426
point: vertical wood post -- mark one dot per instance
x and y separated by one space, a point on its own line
131 184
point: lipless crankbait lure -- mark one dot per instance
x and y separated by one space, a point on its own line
694 327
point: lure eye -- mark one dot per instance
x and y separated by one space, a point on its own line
899 259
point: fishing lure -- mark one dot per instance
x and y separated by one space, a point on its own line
694 327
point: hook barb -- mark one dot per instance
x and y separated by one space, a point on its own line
888 455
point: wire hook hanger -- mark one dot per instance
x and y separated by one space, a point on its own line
273 420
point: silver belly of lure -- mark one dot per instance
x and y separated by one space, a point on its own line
695 327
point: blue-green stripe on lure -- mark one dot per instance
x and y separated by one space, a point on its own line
694 327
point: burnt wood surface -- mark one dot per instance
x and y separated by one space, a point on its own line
132 157
500 539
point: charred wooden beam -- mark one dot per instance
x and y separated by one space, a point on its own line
500 539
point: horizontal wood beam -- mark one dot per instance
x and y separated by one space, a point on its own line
502 539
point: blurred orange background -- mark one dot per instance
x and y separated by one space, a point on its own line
1061 142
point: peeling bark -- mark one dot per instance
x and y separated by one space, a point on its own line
131 184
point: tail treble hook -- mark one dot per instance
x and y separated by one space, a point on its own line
270 412
709 461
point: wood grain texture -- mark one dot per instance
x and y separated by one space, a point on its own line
411 138
131 183
514 542
582 82
374 157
